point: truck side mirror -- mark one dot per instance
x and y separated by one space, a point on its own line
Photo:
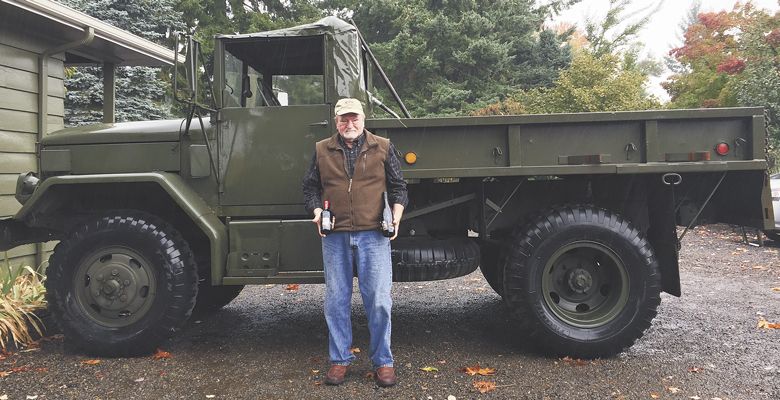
186 89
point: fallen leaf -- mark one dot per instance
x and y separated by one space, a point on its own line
485 386
477 370
91 362
776 289
429 369
355 350
695 398
293 287
655 395
210 396
33 397
3 374
315 371
160 354
764 324
695 369
673 390
4 397
574 361
139 380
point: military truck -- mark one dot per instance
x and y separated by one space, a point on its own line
572 218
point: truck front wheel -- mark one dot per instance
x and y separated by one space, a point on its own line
583 281
121 283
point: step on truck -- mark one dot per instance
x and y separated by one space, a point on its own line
575 220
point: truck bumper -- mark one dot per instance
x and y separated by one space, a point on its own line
15 233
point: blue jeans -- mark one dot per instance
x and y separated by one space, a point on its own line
370 251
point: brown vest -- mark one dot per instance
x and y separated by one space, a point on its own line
357 205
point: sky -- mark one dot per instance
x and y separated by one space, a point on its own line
663 33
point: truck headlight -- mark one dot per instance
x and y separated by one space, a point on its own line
25 186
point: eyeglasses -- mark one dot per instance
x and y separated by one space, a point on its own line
346 122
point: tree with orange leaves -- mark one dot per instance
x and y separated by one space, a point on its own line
729 59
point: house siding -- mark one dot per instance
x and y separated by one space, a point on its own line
18 121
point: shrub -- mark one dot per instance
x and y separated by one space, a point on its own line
21 293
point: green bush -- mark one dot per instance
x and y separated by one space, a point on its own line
21 294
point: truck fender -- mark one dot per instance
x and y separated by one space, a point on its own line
187 199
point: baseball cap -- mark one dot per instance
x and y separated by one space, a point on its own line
349 105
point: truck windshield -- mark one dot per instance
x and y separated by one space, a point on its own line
263 72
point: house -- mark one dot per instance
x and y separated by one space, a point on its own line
38 40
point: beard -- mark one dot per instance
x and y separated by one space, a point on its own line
350 134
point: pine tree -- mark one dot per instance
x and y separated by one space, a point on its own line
449 57
140 91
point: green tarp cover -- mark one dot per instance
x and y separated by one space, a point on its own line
343 62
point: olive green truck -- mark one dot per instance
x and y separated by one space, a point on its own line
572 218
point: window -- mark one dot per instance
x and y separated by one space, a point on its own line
273 72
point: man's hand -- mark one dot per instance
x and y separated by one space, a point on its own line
318 220
398 211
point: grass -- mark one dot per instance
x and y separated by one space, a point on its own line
21 293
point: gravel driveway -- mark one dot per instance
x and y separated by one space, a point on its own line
271 343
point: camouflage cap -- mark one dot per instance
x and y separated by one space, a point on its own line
349 106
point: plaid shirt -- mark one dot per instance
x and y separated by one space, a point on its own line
396 186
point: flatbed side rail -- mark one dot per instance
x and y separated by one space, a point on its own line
640 142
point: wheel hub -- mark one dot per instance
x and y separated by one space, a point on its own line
580 281
111 287
585 284
118 285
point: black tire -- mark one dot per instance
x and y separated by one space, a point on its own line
213 298
122 283
583 282
425 259
493 258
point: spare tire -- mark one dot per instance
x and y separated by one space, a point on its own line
427 259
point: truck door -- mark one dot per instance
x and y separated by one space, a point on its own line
274 111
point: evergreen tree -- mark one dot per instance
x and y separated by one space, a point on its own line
140 91
606 72
449 57
206 18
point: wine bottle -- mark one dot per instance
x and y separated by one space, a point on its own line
388 229
326 219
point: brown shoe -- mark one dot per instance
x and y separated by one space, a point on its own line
336 374
385 376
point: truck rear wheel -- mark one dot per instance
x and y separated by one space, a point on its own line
122 283
583 281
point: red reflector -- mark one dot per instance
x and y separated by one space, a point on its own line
722 149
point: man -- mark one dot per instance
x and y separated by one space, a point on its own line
350 170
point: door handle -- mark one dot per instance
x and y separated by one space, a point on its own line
321 123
